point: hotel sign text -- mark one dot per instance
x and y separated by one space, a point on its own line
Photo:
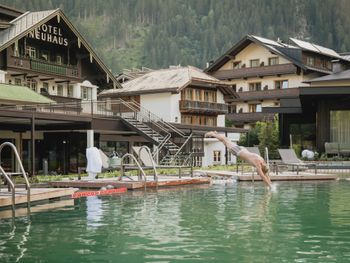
50 34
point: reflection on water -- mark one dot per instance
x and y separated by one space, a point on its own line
94 212
299 222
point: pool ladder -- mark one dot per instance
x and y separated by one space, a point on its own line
9 181
137 162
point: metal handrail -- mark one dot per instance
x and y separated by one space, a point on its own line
148 150
170 126
13 147
137 163
13 190
183 145
161 145
141 114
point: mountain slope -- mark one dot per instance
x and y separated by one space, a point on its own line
158 33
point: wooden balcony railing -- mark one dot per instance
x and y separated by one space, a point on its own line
256 71
250 117
43 66
264 94
202 107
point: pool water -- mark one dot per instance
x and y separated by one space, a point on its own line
297 222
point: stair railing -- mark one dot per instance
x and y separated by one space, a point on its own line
173 157
156 118
13 190
14 149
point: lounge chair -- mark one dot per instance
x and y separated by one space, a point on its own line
290 158
331 148
344 149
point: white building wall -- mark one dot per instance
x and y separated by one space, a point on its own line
175 109
212 144
160 104
254 51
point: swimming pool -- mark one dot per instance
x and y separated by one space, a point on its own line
299 222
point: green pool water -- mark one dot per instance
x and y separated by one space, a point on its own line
298 222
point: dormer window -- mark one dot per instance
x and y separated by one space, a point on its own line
254 63
273 61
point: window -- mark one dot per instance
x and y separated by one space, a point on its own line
86 93
45 88
186 94
281 84
45 55
255 86
254 63
216 156
340 126
232 108
273 61
31 52
198 120
254 107
59 90
70 91
59 59
32 84
310 61
236 64
197 95
209 96
18 81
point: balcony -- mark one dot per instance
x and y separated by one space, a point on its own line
256 72
189 106
42 66
250 117
265 94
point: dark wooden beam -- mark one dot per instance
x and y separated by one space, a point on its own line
19 74
62 81
31 77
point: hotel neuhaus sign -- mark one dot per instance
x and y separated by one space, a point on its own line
50 34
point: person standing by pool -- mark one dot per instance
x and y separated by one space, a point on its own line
244 154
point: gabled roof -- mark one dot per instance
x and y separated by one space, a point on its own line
342 75
22 94
168 80
28 21
289 52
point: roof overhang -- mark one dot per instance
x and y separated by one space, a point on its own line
239 46
324 91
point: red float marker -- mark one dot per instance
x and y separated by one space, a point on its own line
101 192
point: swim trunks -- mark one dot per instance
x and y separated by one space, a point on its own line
236 149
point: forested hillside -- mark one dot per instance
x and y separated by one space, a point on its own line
158 33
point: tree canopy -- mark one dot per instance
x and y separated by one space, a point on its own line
159 33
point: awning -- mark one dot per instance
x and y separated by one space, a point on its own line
13 94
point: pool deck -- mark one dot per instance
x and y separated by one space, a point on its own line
163 181
36 194
285 176
23 211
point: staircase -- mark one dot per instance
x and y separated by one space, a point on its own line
159 132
